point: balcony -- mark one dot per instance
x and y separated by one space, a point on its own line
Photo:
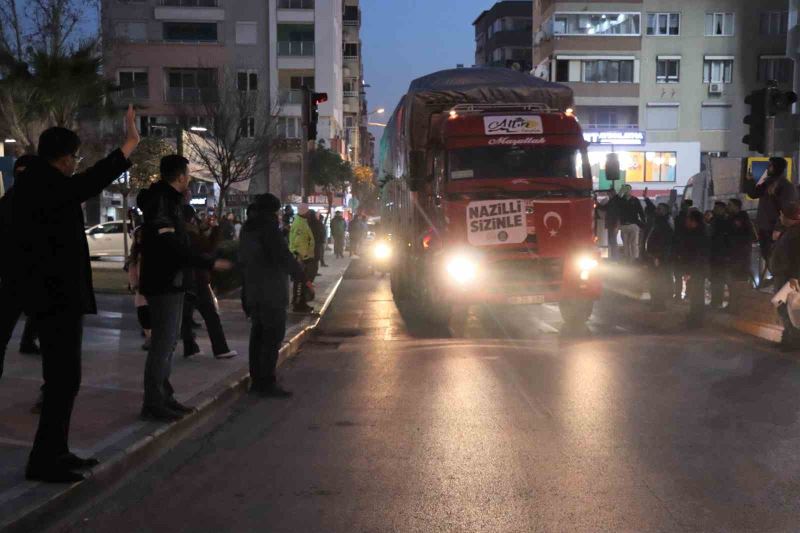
295 4
134 93
352 21
296 48
191 95
350 94
290 96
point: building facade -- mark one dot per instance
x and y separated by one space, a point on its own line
662 82
503 35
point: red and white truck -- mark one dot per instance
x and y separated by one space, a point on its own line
488 196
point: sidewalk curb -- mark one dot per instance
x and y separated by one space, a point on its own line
151 442
762 330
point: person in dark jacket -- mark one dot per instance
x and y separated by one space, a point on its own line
318 229
267 264
719 232
680 230
613 213
338 229
631 223
52 277
742 236
658 248
10 308
774 193
204 239
785 267
166 272
693 255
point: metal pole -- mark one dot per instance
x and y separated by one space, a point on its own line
770 136
304 170
179 141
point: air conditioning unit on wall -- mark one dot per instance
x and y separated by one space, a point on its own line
716 88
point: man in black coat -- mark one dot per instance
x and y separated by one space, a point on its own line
52 277
166 273
774 193
720 253
680 230
693 255
658 248
10 308
318 229
742 236
267 264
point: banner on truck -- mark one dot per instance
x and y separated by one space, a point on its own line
493 222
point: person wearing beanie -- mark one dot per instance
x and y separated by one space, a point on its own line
774 193
266 265
784 264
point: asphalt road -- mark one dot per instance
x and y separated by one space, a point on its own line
509 425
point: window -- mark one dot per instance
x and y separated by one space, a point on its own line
131 31
498 54
349 121
662 117
295 4
715 117
514 162
246 33
660 166
133 83
562 70
774 23
596 24
248 128
780 69
186 85
191 3
350 50
194 32
289 127
668 70
513 24
350 87
608 71
719 24
661 24
247 80
718 71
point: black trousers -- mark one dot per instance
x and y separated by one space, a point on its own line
718 276
660 284
267 331
203 301
338 246
310 268
696 291
61 338
10 312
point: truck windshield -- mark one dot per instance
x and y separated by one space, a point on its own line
485 162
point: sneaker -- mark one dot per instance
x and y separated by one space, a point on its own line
30 349
175 405
304 308
160 414
230 354
73 462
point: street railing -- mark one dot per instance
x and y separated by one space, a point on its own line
191 95
291 96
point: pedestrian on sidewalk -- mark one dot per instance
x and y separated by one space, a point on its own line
693 256
774 193
52 277
228 227
10 307
719 231
302 245
658 248
318 229
631 221
204 239
267 264
134 267
165 274
358 229
338 229
613 211
742 236
785 267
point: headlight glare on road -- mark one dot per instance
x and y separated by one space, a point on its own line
381 251
587 264
462 269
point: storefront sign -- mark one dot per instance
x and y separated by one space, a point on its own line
622 137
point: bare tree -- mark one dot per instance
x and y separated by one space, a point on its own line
243 137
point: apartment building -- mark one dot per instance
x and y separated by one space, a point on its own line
661 82
503 35
355 102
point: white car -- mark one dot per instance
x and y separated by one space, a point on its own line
106 240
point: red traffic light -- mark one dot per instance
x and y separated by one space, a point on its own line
319 98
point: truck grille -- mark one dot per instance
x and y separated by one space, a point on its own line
527 271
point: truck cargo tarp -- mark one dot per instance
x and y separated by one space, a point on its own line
479 85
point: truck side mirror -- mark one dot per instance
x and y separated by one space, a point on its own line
612 167
419 169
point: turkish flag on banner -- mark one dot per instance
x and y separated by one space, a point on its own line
562 224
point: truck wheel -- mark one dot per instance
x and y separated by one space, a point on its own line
576 312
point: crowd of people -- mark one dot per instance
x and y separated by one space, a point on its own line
173 253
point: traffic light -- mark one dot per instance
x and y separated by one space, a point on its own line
780 101
311 101
756 139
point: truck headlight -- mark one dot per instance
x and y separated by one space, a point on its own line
381 251
462 269
586 264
